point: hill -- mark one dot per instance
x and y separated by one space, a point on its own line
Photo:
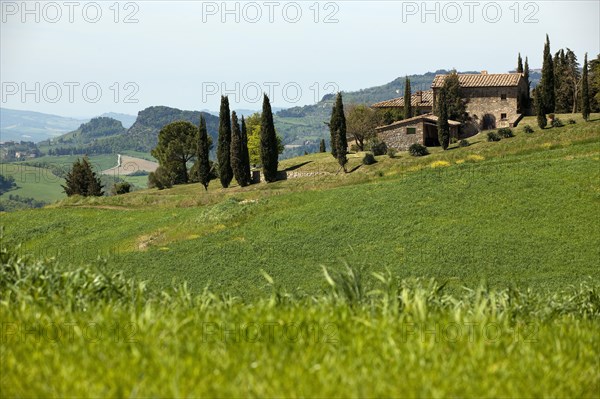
18 125
143 135
453 214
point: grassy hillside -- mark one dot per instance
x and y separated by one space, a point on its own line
248 294
517 211
32 182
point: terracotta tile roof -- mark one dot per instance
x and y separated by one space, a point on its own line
426 101
481 80
426 117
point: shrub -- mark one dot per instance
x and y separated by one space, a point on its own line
493 136
369 159
556 122
161 178
391 153
527 129
417 150
464 143
376 146
571 121
120 188
506 132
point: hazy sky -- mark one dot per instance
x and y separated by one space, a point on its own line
83 59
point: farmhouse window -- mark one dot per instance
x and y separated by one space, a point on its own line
411 130
503 96
503 116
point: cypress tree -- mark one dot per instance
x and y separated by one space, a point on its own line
322 146
223 147
202 157
333 128
407 99
539 109
339 122
237 157
269 153
526 77
246 154
585 91
547 95
442 123
519 64
82 180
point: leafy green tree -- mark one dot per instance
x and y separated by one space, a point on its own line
547 83
455 105
338 122
253 124
585 91
539 108
361 122
519 64
246 154
408 112
177 145
269 153
202 159
237 152
442 123
82 180
322 147
161 178
223 147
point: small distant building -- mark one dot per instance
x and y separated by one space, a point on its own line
421 101
420 129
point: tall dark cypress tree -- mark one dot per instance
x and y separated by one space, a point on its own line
223 147
237 157
408 112
339 121
202 157
585 91
442 123
539 108
333 128
526 77
547 83
245 154
269 153
322 147
519 64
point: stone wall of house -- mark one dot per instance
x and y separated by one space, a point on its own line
487 102
396 137
484 101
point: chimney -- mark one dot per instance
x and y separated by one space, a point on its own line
484 72
419 97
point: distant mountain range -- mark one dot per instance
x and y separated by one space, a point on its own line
16 125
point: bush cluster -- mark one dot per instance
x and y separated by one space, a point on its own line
418 150
369 159
493 136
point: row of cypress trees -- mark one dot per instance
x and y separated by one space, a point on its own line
546 92
232 148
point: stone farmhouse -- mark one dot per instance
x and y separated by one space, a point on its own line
492 101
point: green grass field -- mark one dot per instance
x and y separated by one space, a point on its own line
509 229
32 182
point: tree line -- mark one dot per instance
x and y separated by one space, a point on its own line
238 146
